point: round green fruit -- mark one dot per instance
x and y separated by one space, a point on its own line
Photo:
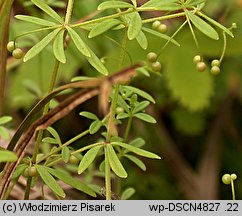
32 171
215 62
226 179
152 57
233 176
156 66
11 46
73 159
162 28
201 66
18 53
197 58
215 70
156 24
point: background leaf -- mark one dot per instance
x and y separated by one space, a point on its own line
137 161
115 163
127 193
7 156
111 5
35 20
50 181
5 119
88 158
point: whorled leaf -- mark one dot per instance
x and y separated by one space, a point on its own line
35 20
201 25
145 117
88 158
112 5
137 151
65 154
134 25
49 180
47 9
88 115
115 163
103 26
37 48
137 161
142 40
58 47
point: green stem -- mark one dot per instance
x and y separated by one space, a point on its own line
224 47
27 189
232 187
75 152
127 130
69 11
65 144
107 176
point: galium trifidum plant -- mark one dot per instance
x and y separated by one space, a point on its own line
122 103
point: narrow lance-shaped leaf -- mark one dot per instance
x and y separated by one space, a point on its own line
7 156
5 119
117 4
104 26
88 158
72 181
142 40
194 2
135 25
141 106
145 117
127 193
202 26
37 48
4 133
35 20
140 93
163 36
96 63
47 9
95 126
212 21
137 151
137 161
115 163
88 115
162 5
58 47
55 134
50 181
65 154
80 45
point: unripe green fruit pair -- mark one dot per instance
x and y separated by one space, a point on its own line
73 160
16 52
226 178
161 27
30 172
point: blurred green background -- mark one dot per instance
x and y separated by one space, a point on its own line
199 116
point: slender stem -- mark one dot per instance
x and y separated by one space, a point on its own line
232 187
224 47
27 189
65 144
127 130
77 151
69 11
107 176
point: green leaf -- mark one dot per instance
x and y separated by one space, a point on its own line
65 154
47 9
66 178
96 63
80 45
58 47
139 92
137 161
103 26
165 5
88 115
37 48
35 20
141 106
191 3
115 163
143 71
145 117
88 158
81 78
134 2
112 5
50 140
123 104
95 126
55 134
50 181
7 156
138 142
137 151
134 25
4 133
122 115
142 40
202 26
212 21
19 170
127 193
163 36
5 119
